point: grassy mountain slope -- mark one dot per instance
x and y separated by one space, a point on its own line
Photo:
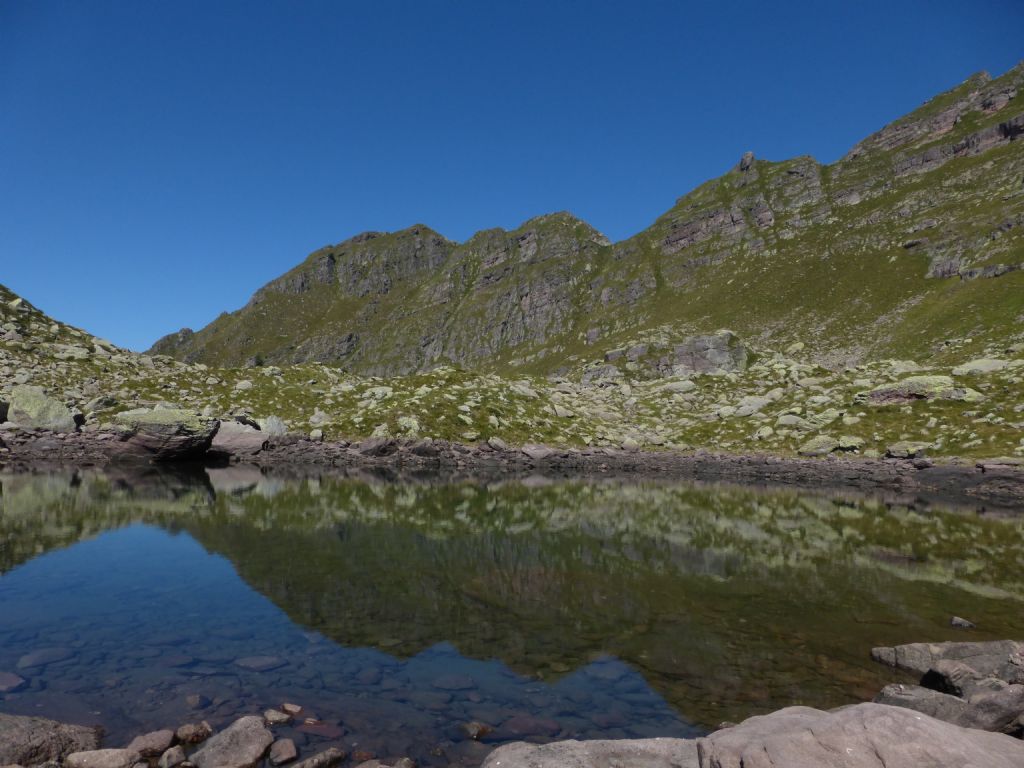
914 238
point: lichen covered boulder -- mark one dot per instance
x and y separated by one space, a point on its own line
31 407
920 388
164 434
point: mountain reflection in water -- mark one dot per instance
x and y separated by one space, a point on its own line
397 611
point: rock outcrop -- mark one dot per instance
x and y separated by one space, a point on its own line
860 736
32 741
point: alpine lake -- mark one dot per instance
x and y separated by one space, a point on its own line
438 618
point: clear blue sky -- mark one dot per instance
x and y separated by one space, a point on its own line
159 161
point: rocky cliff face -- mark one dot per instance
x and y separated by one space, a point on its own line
914 238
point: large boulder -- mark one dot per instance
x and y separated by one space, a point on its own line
975 685
635 753
235 439
719 351
240 745
1003 659
165 434
860 736
32 741
920 388
31 407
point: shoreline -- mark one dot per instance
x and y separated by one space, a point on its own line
988 484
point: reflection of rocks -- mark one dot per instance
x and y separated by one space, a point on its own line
35 740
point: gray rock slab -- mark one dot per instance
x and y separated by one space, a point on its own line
36 740
617 753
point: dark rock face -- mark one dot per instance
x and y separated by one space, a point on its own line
34 740
865 735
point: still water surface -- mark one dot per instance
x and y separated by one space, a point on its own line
397 611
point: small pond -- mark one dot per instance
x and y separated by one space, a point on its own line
399 611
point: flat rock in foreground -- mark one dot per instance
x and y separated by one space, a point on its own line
34 740
860 736
635 753
240 745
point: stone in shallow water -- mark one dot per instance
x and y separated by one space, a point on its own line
152 744
323 730
260 663
276 717
240 745
172 757
325 759
193 733
454 683
43 656
10 682
283 751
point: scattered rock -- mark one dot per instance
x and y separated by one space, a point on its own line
819 446
537 452
152 744
981 366
194 733
275 717
325 759
172 757
283 751
961 623
907 449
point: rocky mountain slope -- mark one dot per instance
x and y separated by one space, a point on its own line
914 239
705 391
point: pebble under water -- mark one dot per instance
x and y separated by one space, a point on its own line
437 620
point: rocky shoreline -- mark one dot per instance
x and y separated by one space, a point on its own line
992 483
967 709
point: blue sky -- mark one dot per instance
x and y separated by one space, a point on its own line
159 161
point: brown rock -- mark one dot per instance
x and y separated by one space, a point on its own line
283 751
36 740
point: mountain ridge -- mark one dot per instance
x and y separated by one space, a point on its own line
507 300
